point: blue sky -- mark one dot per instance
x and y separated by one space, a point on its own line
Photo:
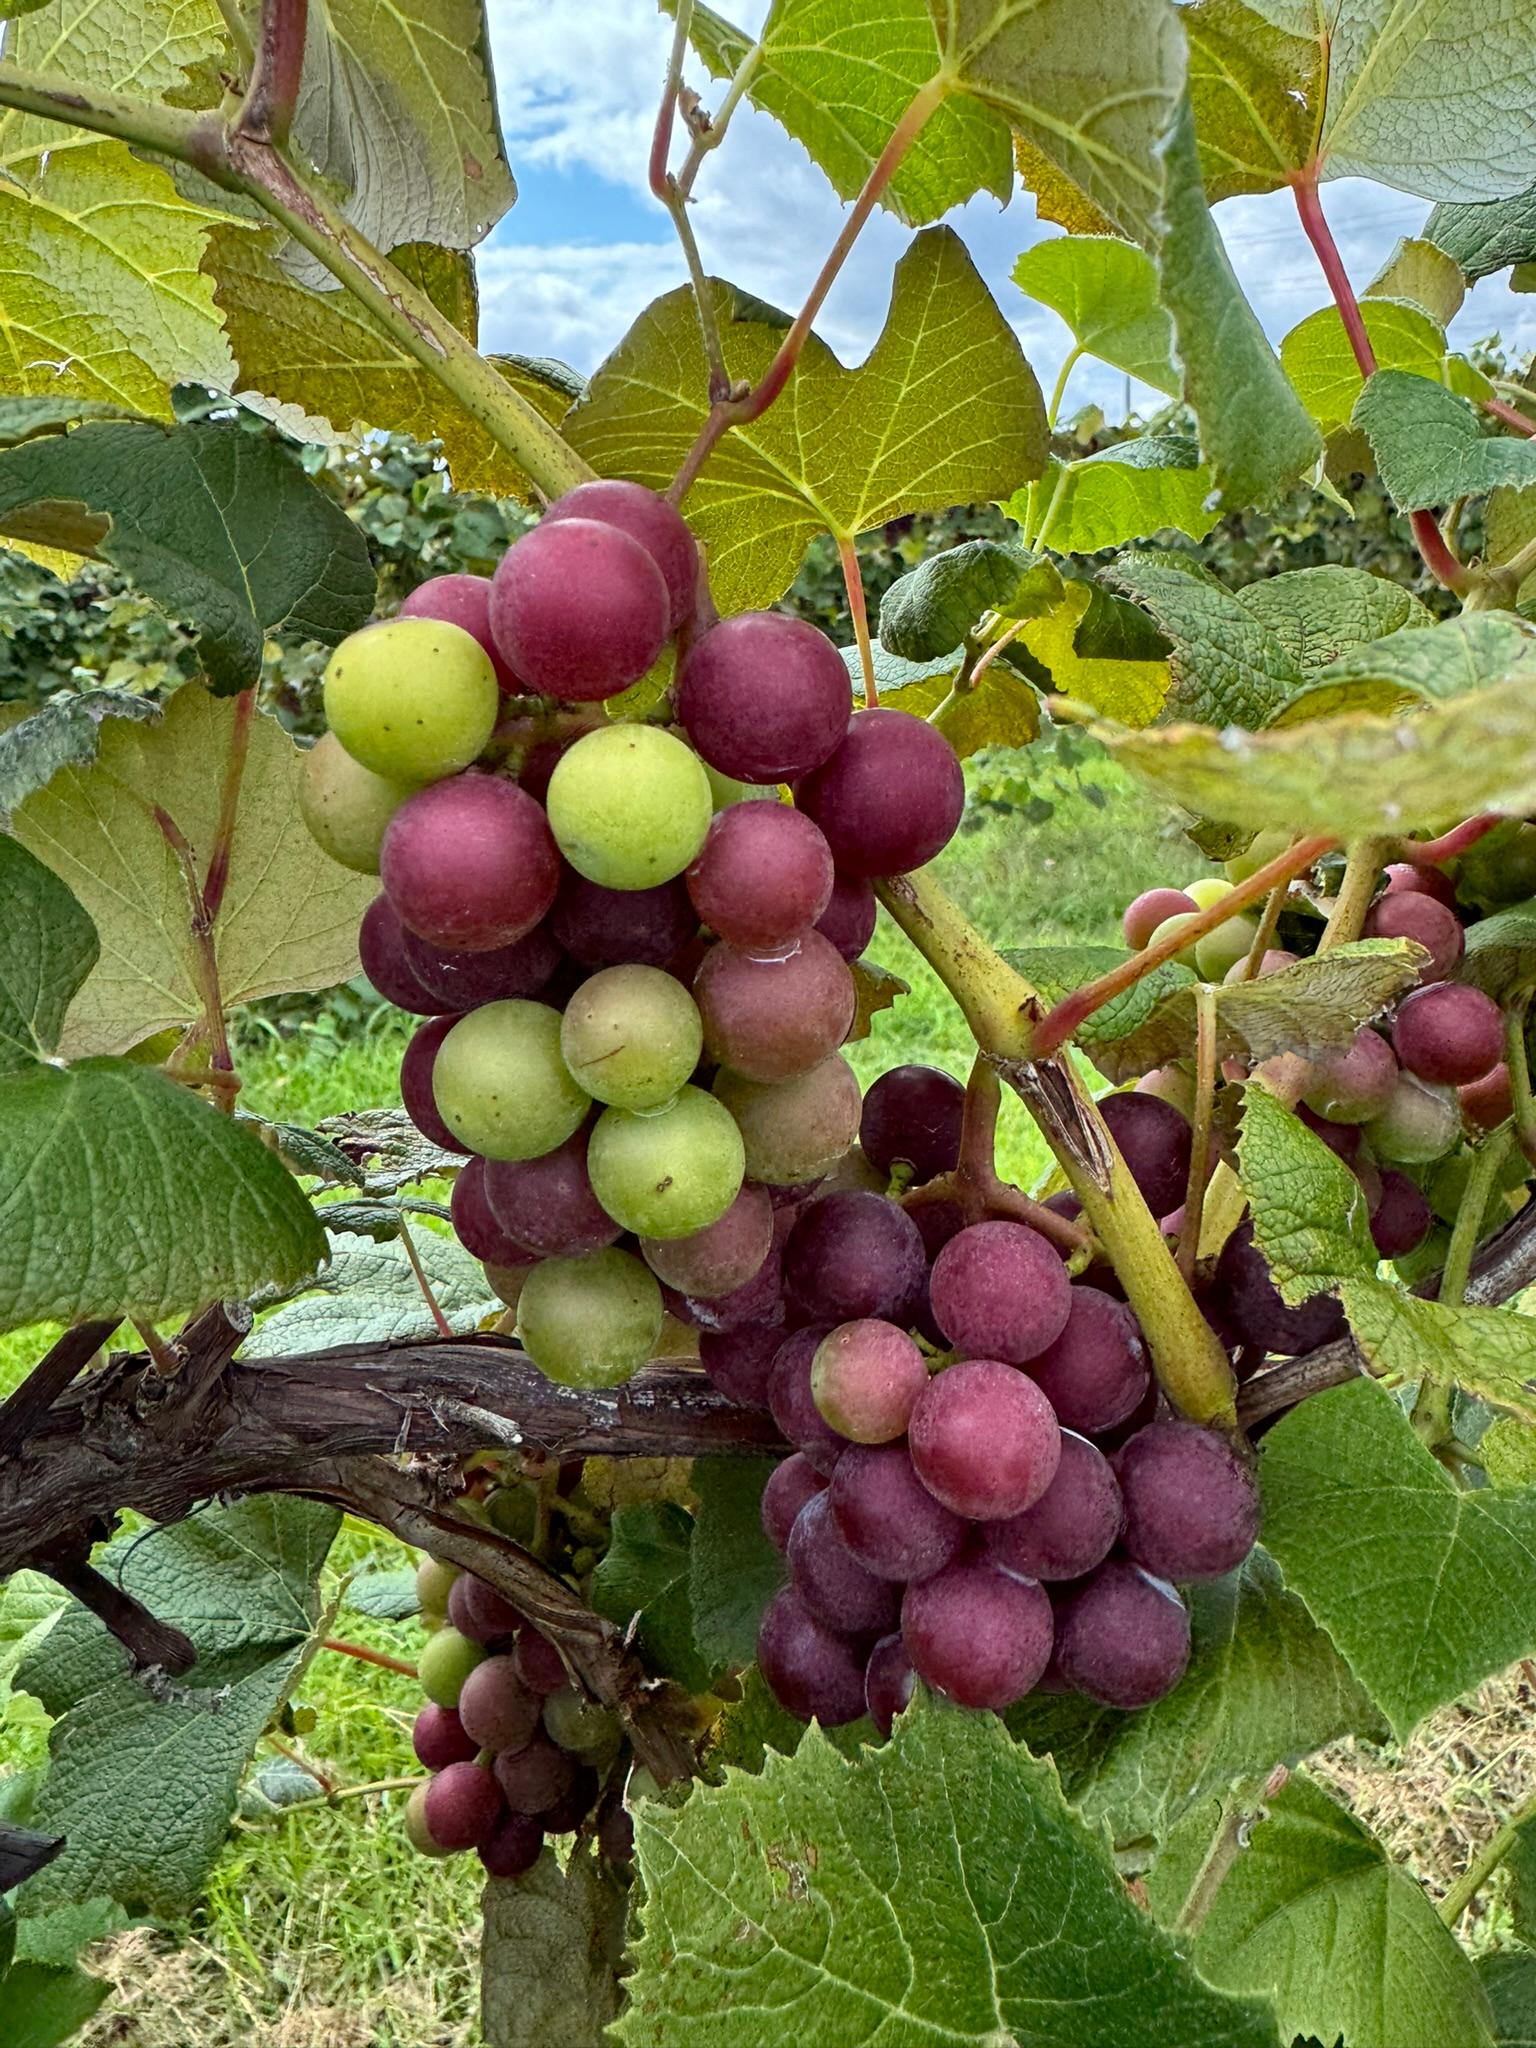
586 247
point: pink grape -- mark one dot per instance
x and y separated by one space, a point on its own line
381 949
791 1483
890 798
416 1065
464 601
1406 914
438 1738
764 697
1072 1526
793 1406
913 1115
850 917
888 1518
999 1290
622 927
463 981
462 1806
1097 1372
866 1377
546 1204
573 1805
1191 1505
470 863
834 1586
646 517
1355 1084
984 1439
889 1681
762 877
855 1254
1123 1638
721 1258
579 609
812 1671
770 1018
979 1634
539 1664
496 1708
1403 878
478 1611
1489 1102
533 1777
757 1300
1449 1032
1150 909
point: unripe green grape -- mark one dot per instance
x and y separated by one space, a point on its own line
1421 1122
417 1833
592 1320
412 699
444 1664
582 1727
501 1085
1219 951
1208 890
345 805
1167 929
631 1036
667 1172
1266 846
726 790
434 1581
629 806
513 1511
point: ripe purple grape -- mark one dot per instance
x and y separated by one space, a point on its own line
790 1485
1403 878
721 1258
770 1018
762 877
984 1439
416 1066
438 1738
764 697
890 798
622 927
478 1611
470 863
1191 1505
831 1582
1449 1032
496 1708
759 1299
475 1223
855 1254
1406 914
740 1362
999 1290
913 1114
463 601
539 1663
1096 1373
462 1806
1150 909
866 1377
850 916
533 1777
1154 1140
513 1846
1353 1085
979 1634
888 1682
1343 1140
546 1204
460 981
381 949
1402 1217
573 1805
1072 1526
814 1673
579 609
646 517
793 1406
1251 1307
1123 1638
888 1518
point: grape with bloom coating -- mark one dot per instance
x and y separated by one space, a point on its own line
1250 1304
469 863
979 1634
346 806
773 1017
888 1518
478 1611
812 1671
795 1130
1097 1373
667 1172
476 1225
579 609
414 1821
1072 1526
629 806
855 1254
1351 1086
601 927
547 1204
890 798
866 1377
416 1069
438 1738
460 981
1123 1638
1449 1033
850 917
647 518
1150 909
496 1708
789 1486
381 949
834 1586
631 1036
1420 1122
762 877
464 601
984 1440
888 1682
412 699
764 697
501 1085
739 1362
534 1777
446 1660
462 1806
721 1258
792 1403
513 1846
1402 1217
1191 1505
1154 1140
1406 914
913 1115
591 1320
999 1290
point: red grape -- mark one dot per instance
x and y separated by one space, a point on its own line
462 1806
740 1362
764 697
831 1582
547 1204
1123 1638
513 1846
463 981
416 1065
888 1682
1154 1140
1486 1103
1150 909
759 1298
646 517
1449 1033
913 1114
1072 1526
496 1708
984 1439
1405 914
579 609
616 1836
793 1406
475 1223
478 1611
464 601
381 949
622 927
1191 1505
979 1634
794 1131
573 1805
723 1257
1096 1373
814 1673
890 798
1353 1085
888 1518
533 1777
438 1738
1403 878
1341 1139
770 1018
539 1663
866 1377
856 1254
470 863
789 1486
850 917
1402 1217
999 1290
762 877
1251 1306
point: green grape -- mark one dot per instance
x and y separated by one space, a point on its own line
667 1172
1208 890
1221 949
417 1833
726 790
345 805
513 1510
631 1036
501 1086
446 1660
582 1726
433 1580
1167 929
1266 846
629 806
412 699
591 1320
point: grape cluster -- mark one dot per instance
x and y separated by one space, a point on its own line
631 956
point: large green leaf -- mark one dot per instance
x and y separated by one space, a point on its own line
1255 79
1309 1213
551 1950
1106 291
642 1583
1120 493
124 1194
1417 665
1316 1913
1430 1592
1264 1686
936 1889
142 1781
29 1607
1320 362
66 730
45 2007
47 948
733 1570
1131 686
1488 235
944 411
1508 1978
369 1294
1429 444
219 526
290 914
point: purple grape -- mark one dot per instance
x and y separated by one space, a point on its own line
476 1225
1154 1140
913 1114
496 1708
1096 1373
533 1777
1402 1217
999 1290
890 1521
579 609
1150 909
463 601
1072 1526
438 1738
793 1406
478 1611
757 1300
601 927
937 1222
547 1204
462 1806
381 949
1250 1305
574 1804
890 798
979 1634
790 1485
470 863
814 1673
764 697
1123 1638
1352 1085
513 1846
740 1362
888 1682
866 1377
1343 1140
539 1663
646 517
831 1582
856 1254
416 1064
616 1836
762 877
1449 1033
1407 914
984 1440
463 981
850 917
1191 1505
1403 878
772 1018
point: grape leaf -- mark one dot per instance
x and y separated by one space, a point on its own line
1507 1452
45 2007
1501 953
369 1294
142 1779
1508 1978
1423 275
551 1951
1487 235
1429 444
47 948
928 612
1441 1594
1264 1686
388 1144
219 526
1119 493
1106 291
123 1194
802 1901
29 1607
1321 615
733 1570
290 914
1520 1881
1320 362
1255 82
304 1151
1055 971
383 1594
1317 1914
1353 774
1129 688
1000 711
1417 665
1309 1213
119 44
1489 1351
22 419
65 731
944 411
1509 520
643 1583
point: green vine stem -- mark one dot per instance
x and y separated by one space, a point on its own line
1200 1140
1432 1404
1485 1863
1516 1059
1362 871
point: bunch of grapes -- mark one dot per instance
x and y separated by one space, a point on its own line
630 952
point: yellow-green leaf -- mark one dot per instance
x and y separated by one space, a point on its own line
1317 357
1423 275
1106 291
1124 492
1132 692
1257 95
